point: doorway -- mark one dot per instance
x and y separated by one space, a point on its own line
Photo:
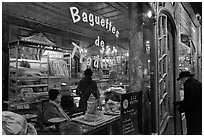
166 73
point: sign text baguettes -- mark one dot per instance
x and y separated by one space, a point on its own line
92 20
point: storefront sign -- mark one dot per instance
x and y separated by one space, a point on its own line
129 114
92 20
99 42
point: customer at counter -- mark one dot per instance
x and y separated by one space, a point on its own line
86 86
53 108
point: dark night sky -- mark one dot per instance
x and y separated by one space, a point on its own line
197 7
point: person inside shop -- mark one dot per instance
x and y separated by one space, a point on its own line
53 109
191 105
85 87
113 77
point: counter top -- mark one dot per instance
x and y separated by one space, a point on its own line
85 129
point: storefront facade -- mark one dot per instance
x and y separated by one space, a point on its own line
143 48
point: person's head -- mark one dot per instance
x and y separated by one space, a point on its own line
54 95
88 72
16 124
183 76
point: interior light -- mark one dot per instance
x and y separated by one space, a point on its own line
149 14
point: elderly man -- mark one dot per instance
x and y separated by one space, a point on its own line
192 103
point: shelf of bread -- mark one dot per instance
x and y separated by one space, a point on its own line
41 94
55 77
36 70
22 70
33 86
20 79
27 79
17 88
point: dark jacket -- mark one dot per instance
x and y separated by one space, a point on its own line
86 86
50 111
192 106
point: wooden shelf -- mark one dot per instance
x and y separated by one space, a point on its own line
34 78
33 86
29 60
41 94
55 77
27 79
14 87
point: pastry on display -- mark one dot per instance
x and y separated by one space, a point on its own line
112 106
92 114
93 117
118 90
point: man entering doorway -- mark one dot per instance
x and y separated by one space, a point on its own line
191 105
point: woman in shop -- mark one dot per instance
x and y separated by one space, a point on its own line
53 108
86 86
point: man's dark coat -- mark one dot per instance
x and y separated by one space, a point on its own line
86 86
192 106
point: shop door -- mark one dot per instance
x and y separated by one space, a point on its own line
166 78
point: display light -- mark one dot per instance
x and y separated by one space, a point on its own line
149 14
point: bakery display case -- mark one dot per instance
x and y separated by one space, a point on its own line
35 66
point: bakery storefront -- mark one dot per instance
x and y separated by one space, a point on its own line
42 53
